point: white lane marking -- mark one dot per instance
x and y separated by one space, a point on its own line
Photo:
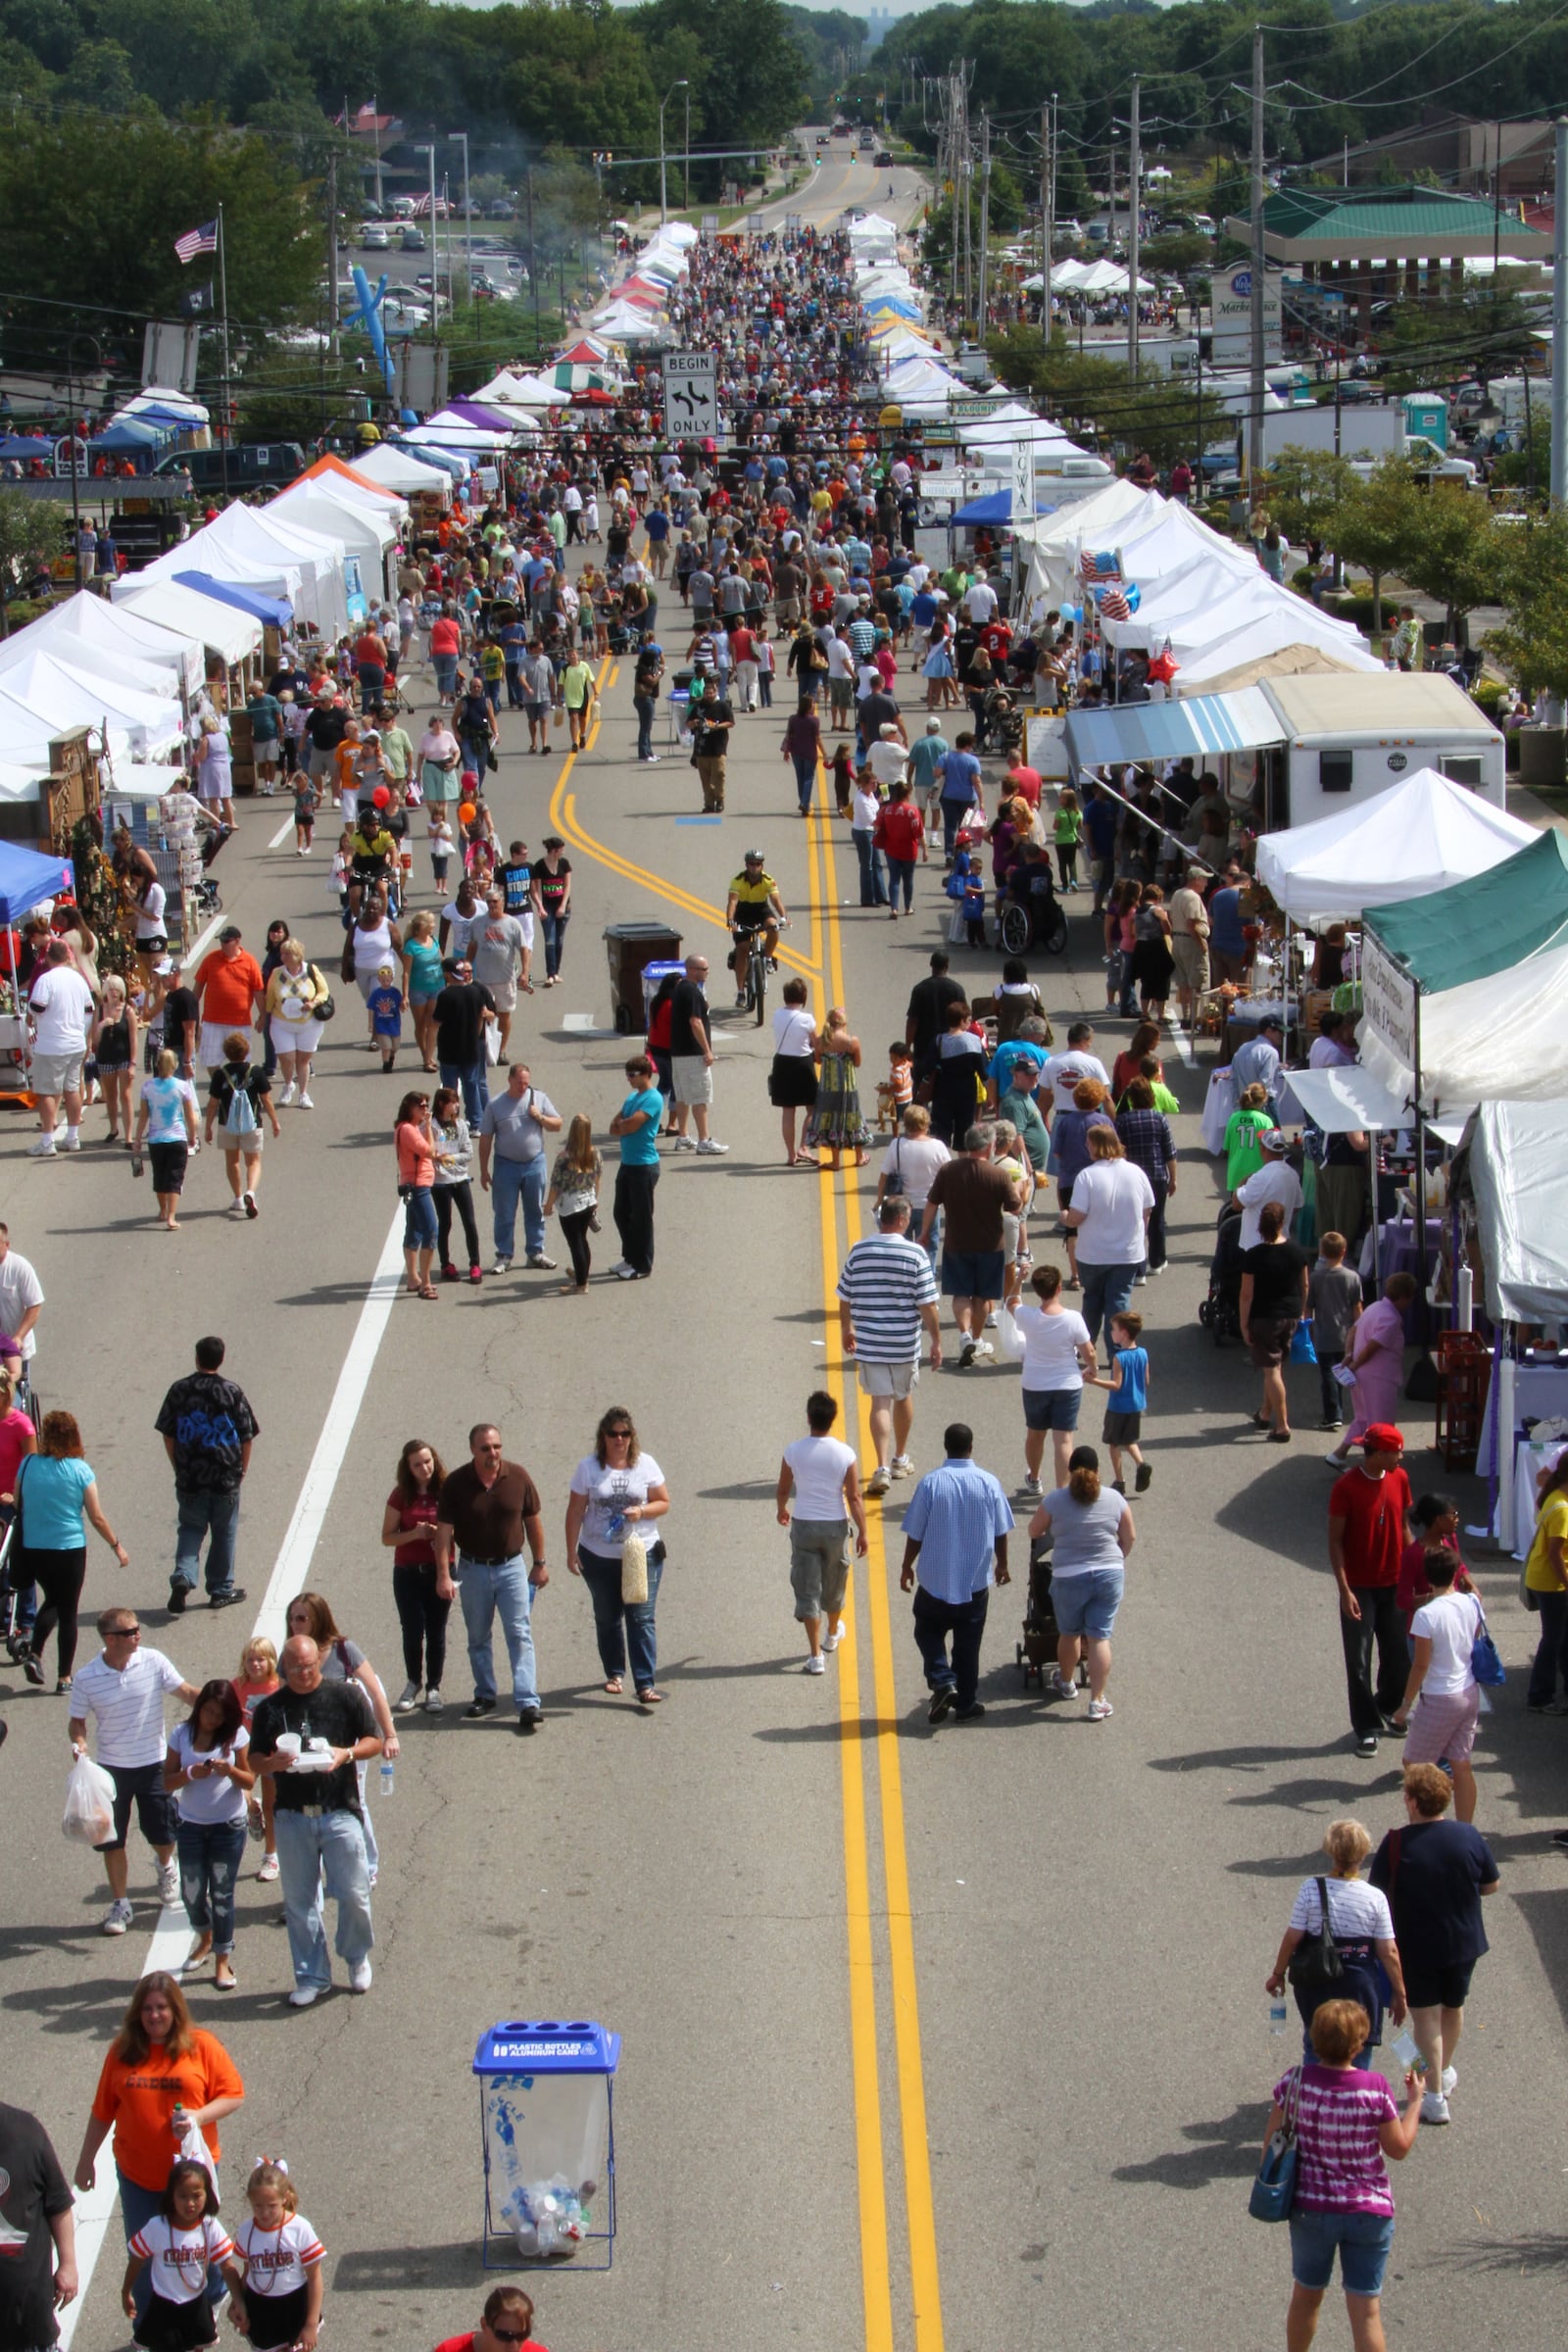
1178 1039
282 834
201 941
172 1937
586 1024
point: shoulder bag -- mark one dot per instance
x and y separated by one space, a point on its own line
1315 1965
324 1007
1274 2187
1485 1663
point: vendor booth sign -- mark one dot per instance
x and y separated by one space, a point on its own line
1389 999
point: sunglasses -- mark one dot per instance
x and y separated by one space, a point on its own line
510 2336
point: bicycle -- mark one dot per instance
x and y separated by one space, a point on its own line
758 966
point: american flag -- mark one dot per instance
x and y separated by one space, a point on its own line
197 240
1113 606
1105 566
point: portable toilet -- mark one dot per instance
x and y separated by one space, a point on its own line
1426 417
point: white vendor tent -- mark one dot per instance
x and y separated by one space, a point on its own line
1285 638
1518 1156
54 696
248 546
1054 541
223 629
368 536
116 670
1422 834
92 621
396 471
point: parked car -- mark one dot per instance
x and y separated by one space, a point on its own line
412 238
403 208
374 238
502 207
883 159
248 465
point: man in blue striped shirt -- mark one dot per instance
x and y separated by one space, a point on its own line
887 1292
956 1529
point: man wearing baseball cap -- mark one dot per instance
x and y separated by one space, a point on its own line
1369 1525
229 984
1257 1062
1275 1180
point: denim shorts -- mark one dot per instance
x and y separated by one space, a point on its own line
1052 1408
1364 2241
1086 1604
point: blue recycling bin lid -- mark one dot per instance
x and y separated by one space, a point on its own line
547 2047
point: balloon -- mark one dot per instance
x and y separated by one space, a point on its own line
467 811
380 797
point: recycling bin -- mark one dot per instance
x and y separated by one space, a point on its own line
632 947
548 2130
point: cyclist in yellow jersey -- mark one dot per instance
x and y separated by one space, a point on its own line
753 905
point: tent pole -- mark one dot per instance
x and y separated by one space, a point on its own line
1420 1167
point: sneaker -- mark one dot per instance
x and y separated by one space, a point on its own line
169 1881
480 1707
1337 1461
972 1713
476 1273
304 1102
69 1143
502 1266
435 1703
118 1918
984 1351
1101 1710
407 1700
449 1273
1060 1687
903 1465
1434 2108
943 1702
303 1995
740 1000
966 1355
1029 1488
1450 2081
831 1641
542 1264
879 1481
1367 1745
528 1722
685 1143
1144 1478
814 1665
269 1870
287 1095
177 1597
713 1150
44 1148
359 1977
625 1273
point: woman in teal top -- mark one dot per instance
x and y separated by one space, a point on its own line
56 1492
423 981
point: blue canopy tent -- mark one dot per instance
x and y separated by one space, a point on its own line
272 610
130 432
27 877
995 510
26 445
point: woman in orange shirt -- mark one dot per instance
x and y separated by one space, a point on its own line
161 2074
416 1147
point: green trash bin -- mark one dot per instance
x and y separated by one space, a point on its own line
631 947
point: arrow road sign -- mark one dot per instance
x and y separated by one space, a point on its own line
690 395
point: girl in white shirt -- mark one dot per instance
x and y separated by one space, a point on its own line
1056 1351
179 2247
280 2300
1441 1702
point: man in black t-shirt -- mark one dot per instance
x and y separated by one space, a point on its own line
924 1022
325 730
321 1829
37 2235
181 1012
712 719
691 1057
208 1428
460 1025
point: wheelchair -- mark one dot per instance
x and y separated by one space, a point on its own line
1033 920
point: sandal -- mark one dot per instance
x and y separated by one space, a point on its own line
1262 1420
428 1290
650 1698
614 1686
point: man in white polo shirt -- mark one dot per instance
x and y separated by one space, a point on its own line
122 1689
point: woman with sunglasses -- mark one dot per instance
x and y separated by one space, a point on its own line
617 1491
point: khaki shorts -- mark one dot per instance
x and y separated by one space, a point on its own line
887 1380
692 1078
820 1566
57 1074
1191 959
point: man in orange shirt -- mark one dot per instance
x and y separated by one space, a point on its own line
228 984
369 662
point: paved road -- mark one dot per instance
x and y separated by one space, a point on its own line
845 179
930 2039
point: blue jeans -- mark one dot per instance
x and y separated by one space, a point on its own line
1108 1291
645 705
503 1592
1551 1651
209 1864
469 1077
138 2207
1363 2242
311 1847
555 931
511 1180
900 873
872 893
805 777
418 1219
965 1621
953 814
619 1625
216 1516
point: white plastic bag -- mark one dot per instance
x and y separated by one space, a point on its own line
89 1815
193 2149
634 1571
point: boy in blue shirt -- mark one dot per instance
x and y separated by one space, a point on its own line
1129 1395
385 1006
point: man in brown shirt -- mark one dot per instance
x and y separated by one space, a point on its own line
485 1511
973 1197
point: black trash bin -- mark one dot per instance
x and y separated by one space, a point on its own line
631 947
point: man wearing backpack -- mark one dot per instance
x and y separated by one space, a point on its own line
237 1101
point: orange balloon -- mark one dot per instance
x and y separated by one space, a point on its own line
468 811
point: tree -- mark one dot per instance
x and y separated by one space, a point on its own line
1450 551
1533 583
1306 488
32 531
1371 526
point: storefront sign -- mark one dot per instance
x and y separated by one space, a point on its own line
1389 999
1232 310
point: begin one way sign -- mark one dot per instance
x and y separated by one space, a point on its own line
690 395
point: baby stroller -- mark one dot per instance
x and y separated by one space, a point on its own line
1221 1311
1037 1652
1003 720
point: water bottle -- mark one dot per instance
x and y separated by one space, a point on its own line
386 1776
1404 2048
1278 2014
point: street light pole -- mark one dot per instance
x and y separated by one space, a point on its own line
70 447
663 204
459 138
435 269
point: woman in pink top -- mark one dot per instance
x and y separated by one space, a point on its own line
416 1149
1375 1353
1346 2123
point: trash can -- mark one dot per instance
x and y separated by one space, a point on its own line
547 2124
632 948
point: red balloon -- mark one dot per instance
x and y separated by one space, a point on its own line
380 797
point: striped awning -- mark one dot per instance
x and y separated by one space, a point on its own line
1204 722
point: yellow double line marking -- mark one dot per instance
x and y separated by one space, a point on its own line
860 1745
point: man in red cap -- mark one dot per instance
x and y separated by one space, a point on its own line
1368 1529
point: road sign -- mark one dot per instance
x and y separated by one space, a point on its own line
690 396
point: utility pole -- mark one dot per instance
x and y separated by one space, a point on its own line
1135 176
985 215
331 256
968 168
1047 223
1254 442
1559 324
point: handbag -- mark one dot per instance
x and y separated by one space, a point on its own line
1302 1350
634 1570
1274 2187
325 1007
1316 1964
1485 1663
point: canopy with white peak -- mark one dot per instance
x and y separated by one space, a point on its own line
1054 541
1420 834
1289 638
100 630
1087 277
516 388
396 471
220 628
43 696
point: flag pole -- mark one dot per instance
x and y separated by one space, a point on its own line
222 284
